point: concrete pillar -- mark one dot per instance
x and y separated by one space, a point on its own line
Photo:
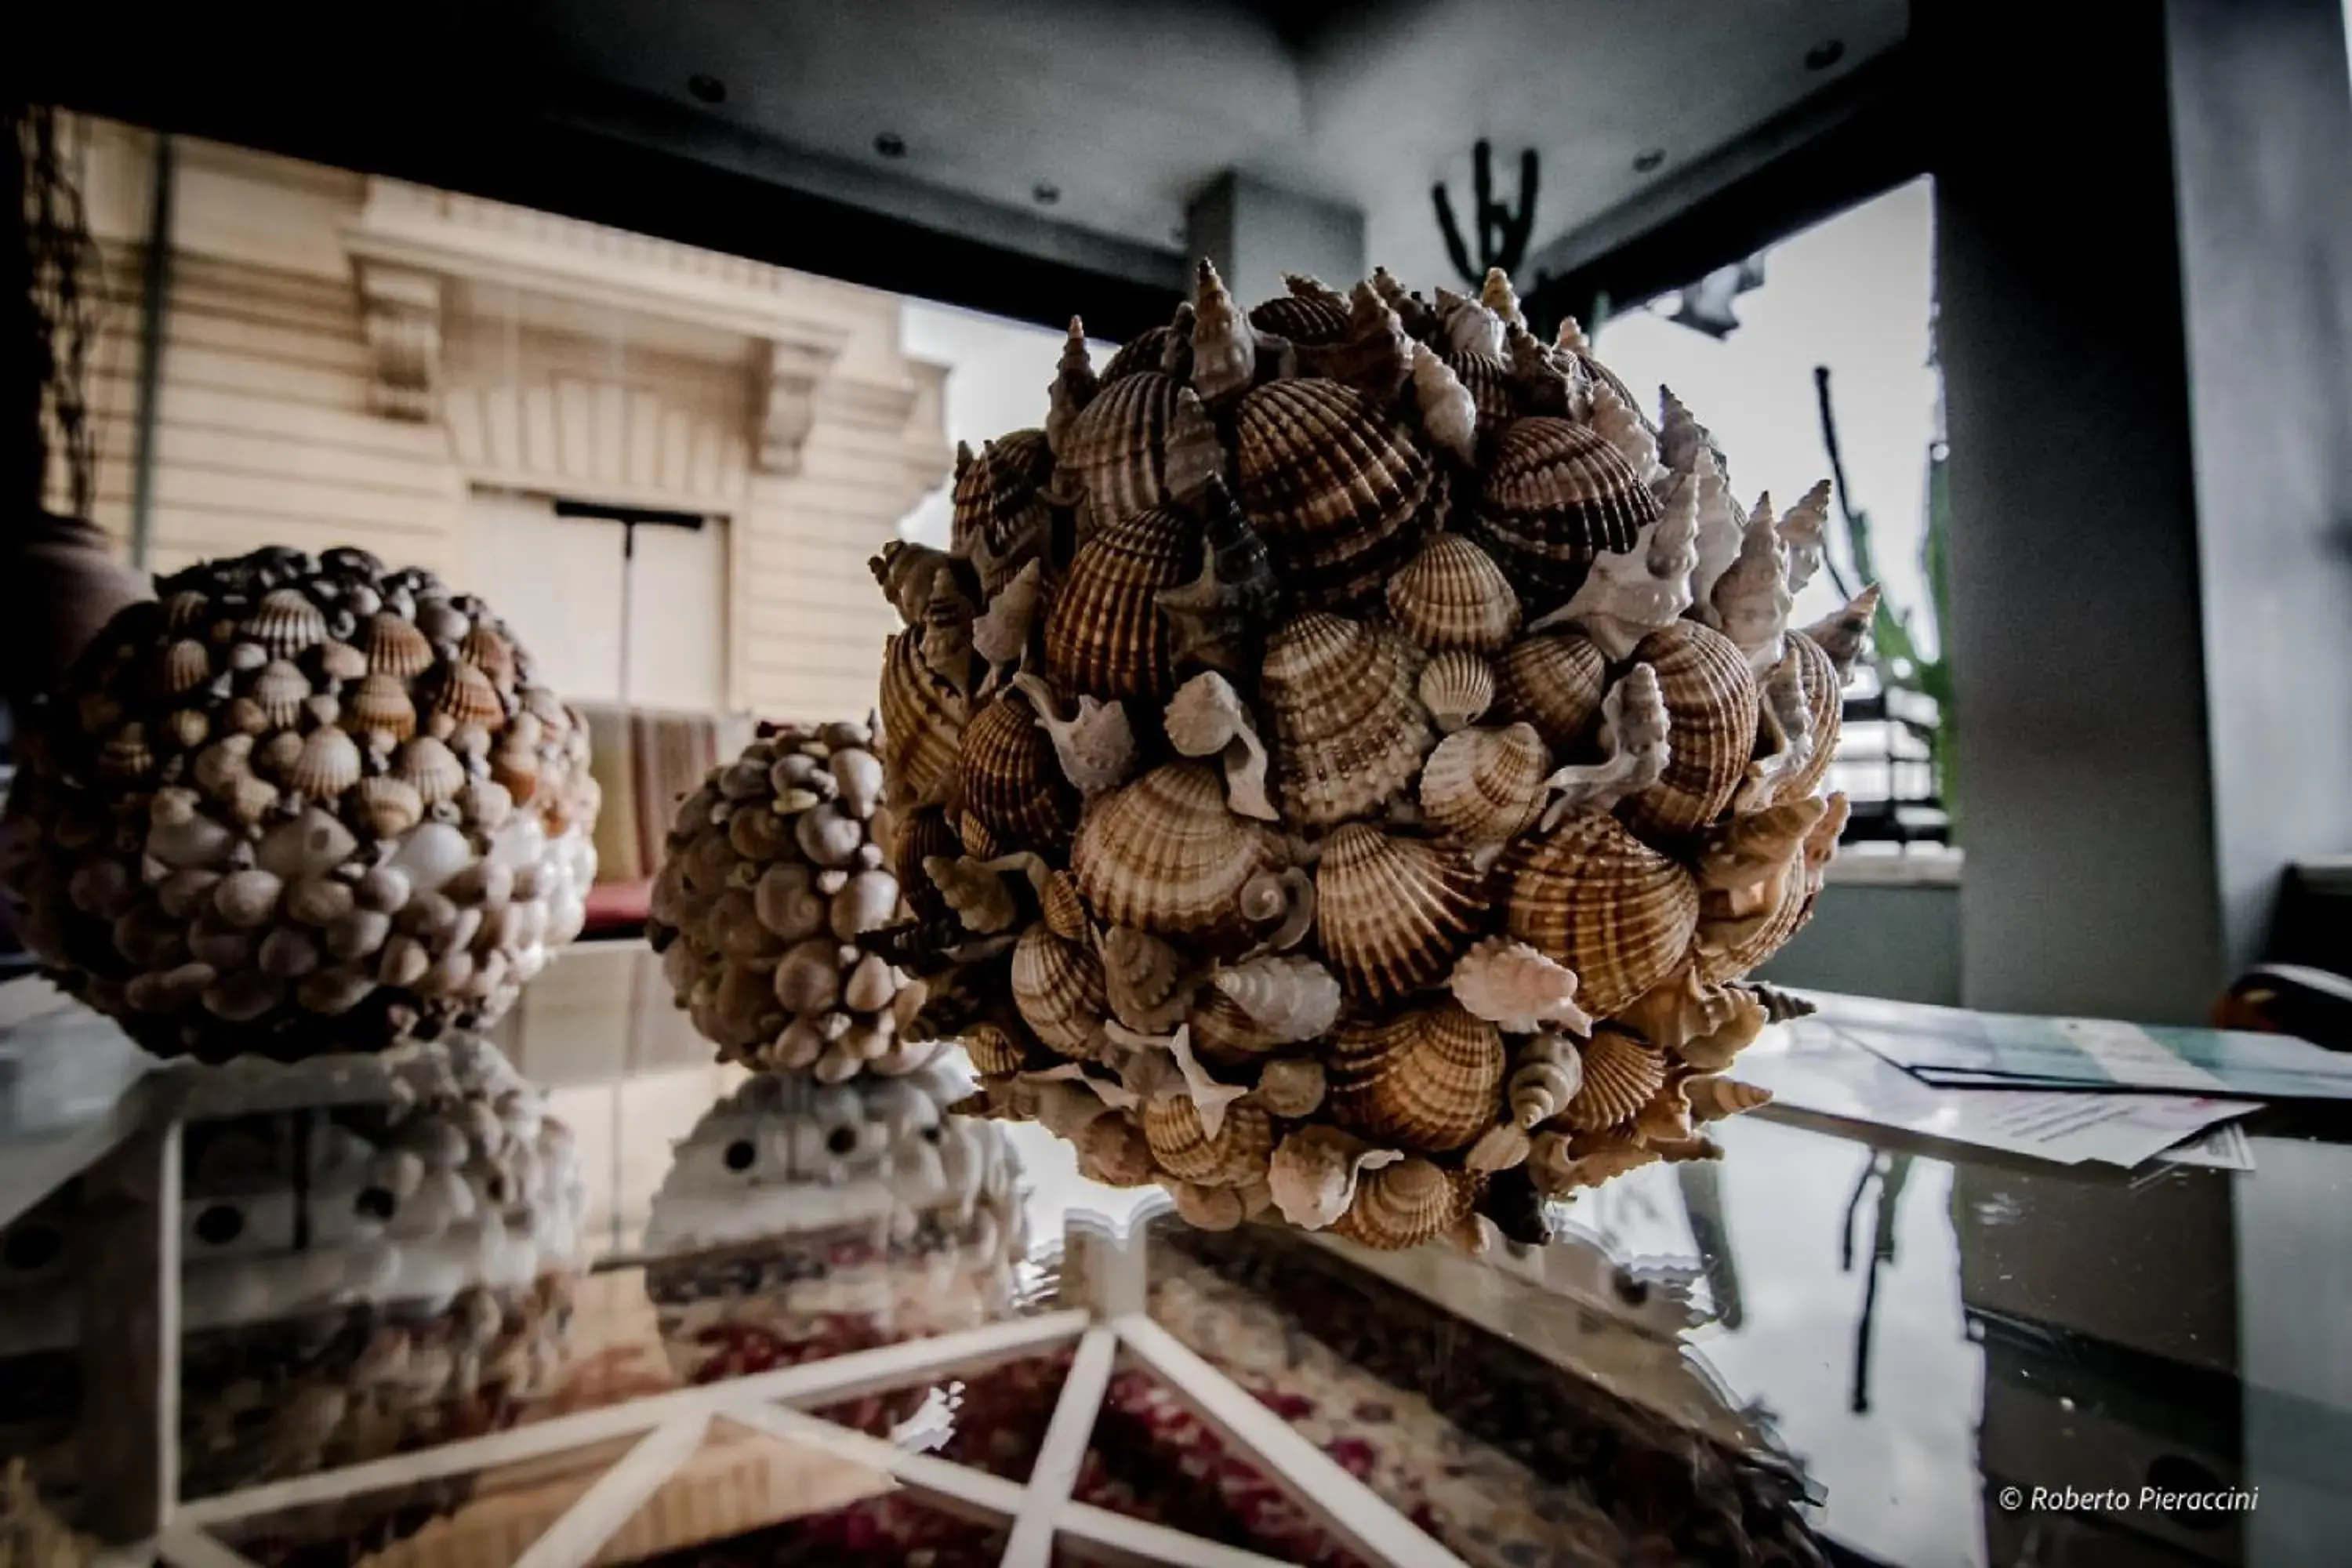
2145 259
1255 232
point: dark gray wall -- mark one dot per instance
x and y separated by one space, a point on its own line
1901 943
1255 232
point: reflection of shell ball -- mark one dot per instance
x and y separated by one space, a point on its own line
769 875
298 806
1327 732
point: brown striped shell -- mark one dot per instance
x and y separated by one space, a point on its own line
1712 1098
1487 379
1554 681
1484 786
1335 485
1392 914
1711 715
1147 350
1817 676
1165 855
1009 778
285 623
1407 1204
993 1049
1451 594
1457 687
922 722
1622 1075
922 833
1598 899
1348 730
1235 1155
185 665
1767 936
1058 988
1117 447
1001 520
1555 494
381 703
394 646
464 696
491 654
1106 635
1311 314
1429 1079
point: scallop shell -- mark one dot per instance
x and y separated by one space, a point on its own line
381 704
1065 908
1711 713
1712 1098
386 807
1105 636
1393 913
1596 899
1407 1204
280 691
490 653
1117 448
1516 988
1451 594
1429 1079
394 646
1165 855
328 764
1484 785
1818 680
1554 681
1310 313
1058 985
464 696
1237 1154
1621 1075
993 1049
430 768
1333 483
185 665
285 623
922 723
1349 731
1001 521
1554 495
1457 687
1009 777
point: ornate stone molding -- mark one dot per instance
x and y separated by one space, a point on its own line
402 307
788 401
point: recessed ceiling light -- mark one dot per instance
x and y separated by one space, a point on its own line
1045 193
706 88
1648 159
890 144
1826 54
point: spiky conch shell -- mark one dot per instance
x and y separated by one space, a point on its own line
1392 913
1235 1155
1598 901
1348 727
1408 1203
1333 483
1164 853
1711 713
1106 635
1622 1075
1554 681
1824 696
1429 1079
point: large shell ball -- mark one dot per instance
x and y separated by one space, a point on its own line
1344 769
770 874
228 771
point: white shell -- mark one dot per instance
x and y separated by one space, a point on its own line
1751 599
1516 988
1629 594
1448 412
1804 529
1096 747
1000 633
1633 730
1314 1174
1208 717
1291 999
1721 528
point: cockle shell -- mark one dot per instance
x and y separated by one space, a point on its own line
1164 853
922 833
1711 709
1374 356
1349 731
394 646
1451 594
386 807
1554 681
488 652
1547 1076
1554 495
1167 349
1598 901
1334 483
1009 777
185 665
1207 1208
1392 913
1316 1171
430 767
279 690
1058 985
329 765
1312 313
922 722
1457 687
1512 985
1116 447
993 1049
1621 1075
1429 1079
464 696
1484 785
1406 1203
1106 635
285 623
1001 521
1237 1153
381 704
1711 1097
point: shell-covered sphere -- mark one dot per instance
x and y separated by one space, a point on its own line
298 805
774 869
1364 804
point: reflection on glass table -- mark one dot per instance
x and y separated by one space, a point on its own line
655 1312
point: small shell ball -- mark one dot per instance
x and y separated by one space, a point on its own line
229 768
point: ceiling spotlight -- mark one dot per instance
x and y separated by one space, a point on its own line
890 144
1826 54
1648 159
1045 193
706 87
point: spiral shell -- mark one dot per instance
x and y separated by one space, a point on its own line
1554 681
1548 1076
1289 999
1429 1079
1823 689
1106 635
1598 901
922 723
1711 715
380 705
1237 1155
1555 494
1392 913
1349 729
1165 855
1407 1204
1622 1075
1457 687
1451 594
1482 786
1333 483
1711 1097
285 623
1057 985
1117 445
1009 777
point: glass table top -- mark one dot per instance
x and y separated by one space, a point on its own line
731 1319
